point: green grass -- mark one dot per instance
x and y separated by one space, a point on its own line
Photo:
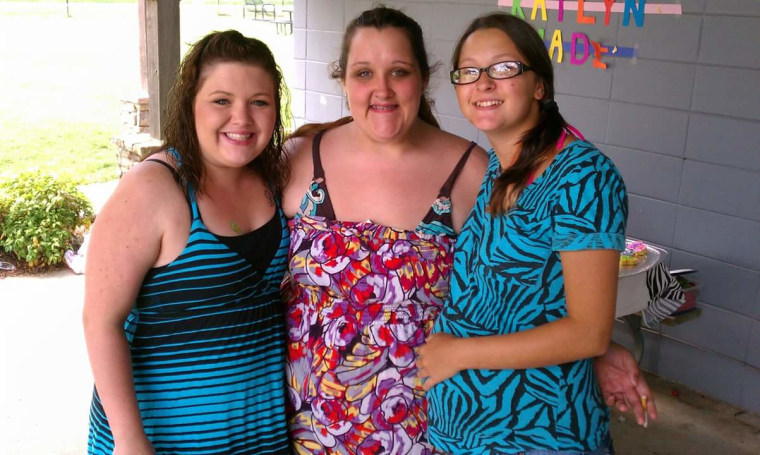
61 101
78 151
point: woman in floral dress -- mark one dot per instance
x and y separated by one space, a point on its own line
377 202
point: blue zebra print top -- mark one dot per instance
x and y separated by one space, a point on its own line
207 342
507 278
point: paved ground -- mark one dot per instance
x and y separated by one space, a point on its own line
47 384
46 379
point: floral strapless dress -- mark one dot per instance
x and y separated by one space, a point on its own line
362 297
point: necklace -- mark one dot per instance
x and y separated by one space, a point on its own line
234 226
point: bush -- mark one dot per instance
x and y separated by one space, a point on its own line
40 218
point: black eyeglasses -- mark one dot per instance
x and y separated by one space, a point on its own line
500 70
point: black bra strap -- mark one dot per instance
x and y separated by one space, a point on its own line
324 209
318 171
449 184
168 166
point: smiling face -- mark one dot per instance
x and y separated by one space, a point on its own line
383 83
498 106
234 112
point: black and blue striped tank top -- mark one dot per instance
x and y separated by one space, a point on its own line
206 336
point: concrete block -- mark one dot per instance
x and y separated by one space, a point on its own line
723 285
423 13
751 390
733 7
648 174
653 129
446 100
656 83
727 91
458 126
450 19
323 46
692 6
715 329
651 219
297 79
353 8
298 103
582 80
664 37
299 44
704 371
722 237
753 347
322 108
320 81
589 115
299 18
722 140
721 189
730 41
324 15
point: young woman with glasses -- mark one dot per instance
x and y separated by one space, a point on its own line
532 299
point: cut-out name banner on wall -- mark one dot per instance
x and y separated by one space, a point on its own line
580 47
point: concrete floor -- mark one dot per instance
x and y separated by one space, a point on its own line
688 423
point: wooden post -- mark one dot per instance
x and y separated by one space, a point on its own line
162 55
143 49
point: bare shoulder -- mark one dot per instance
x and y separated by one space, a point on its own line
143 184
146 198
301 171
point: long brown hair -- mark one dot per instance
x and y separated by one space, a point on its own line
537 142
380 17
179 131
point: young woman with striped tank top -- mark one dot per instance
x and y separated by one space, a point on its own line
182 314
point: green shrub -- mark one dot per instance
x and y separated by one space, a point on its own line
40 217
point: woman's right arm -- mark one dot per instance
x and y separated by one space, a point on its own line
124 244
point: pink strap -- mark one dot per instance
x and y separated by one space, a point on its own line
569 129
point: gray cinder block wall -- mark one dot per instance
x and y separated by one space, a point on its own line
681 121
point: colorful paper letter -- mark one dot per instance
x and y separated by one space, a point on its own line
536 3
561 12
556 44
584 19
599 50
607 10
638 13
517 9
574 49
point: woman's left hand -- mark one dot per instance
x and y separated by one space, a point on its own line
437 359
